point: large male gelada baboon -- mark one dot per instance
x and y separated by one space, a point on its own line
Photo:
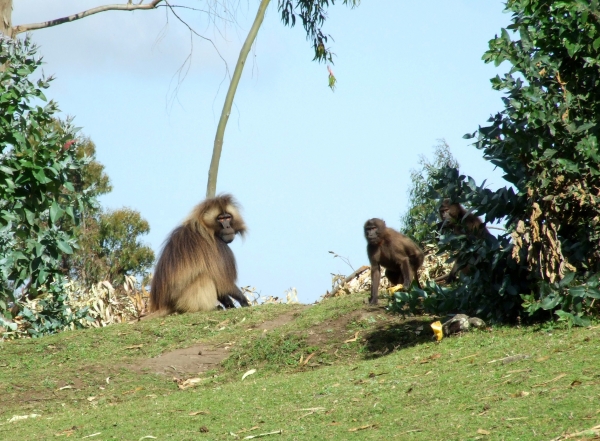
196 268
399 255
455 218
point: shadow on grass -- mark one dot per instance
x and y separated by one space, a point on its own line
390 338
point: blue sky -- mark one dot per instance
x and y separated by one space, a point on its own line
309 166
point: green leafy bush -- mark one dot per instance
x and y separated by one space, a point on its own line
546 142
38 165
419 221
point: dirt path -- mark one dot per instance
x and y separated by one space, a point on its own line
198 358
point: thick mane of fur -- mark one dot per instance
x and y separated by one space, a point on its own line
194 269
204 216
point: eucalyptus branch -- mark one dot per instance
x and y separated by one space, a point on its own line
47 24
213 170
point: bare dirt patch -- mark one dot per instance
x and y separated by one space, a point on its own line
380 332
343 328
201 357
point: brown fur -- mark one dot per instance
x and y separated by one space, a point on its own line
455 216
399 255
196 267
459 221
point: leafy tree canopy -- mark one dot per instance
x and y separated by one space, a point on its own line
546 142
419 221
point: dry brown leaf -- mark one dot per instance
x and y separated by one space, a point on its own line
576 383
550 381
468 356
244 430
541 359
309 357
199 412
483 432
68 386
353 338
140 346
67 432
368 426
185 384
131 391
520 394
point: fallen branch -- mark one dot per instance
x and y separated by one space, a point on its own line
352 276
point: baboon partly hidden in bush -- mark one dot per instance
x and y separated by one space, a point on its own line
455 218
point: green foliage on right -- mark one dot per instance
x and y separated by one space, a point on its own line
546 142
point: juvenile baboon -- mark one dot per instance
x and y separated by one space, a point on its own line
399 255
196 267
455 218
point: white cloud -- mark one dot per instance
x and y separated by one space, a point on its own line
147 43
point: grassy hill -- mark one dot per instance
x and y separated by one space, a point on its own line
337 370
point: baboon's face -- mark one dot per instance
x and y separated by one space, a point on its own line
227 233
448 212
374 230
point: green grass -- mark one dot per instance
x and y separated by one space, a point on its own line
391 382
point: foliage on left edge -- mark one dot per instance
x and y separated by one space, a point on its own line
38 165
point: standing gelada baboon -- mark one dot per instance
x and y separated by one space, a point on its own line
455 218
196 267
399 255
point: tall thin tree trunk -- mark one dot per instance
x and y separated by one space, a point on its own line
6 17
211 188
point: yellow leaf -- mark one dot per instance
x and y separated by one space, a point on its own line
437 330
